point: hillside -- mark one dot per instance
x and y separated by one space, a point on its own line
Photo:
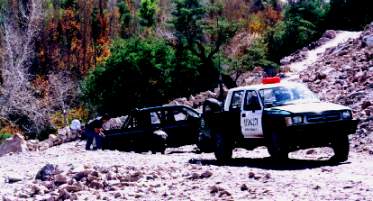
344 74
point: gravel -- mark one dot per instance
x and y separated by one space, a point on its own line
182 174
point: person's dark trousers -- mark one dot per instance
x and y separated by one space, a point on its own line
89 135
98 139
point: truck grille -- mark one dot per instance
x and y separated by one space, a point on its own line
325 116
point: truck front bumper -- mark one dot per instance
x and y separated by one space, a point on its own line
318 134
325 128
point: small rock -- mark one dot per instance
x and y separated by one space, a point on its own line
368 40
244 187
267 176
206 174
365 104
117 195
96 185
311 151
251 175
135 177
11 180
224 193
60 179
35 189
321 76
330 34
80 175
194 176
317 187
63 195
214 189
15 144
74 187
91 178
46 173
9 198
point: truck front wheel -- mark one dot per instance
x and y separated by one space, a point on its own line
277 147
341 148
223 147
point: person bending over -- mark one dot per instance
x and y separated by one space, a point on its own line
94 131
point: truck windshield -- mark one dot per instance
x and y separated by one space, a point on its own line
286 95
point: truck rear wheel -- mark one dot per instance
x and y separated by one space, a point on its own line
277 147
159 141
223 148
205 144
341 148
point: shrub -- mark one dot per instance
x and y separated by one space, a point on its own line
4 136
79 113
350 14
137 74
302 24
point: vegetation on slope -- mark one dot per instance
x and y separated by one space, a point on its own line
110 56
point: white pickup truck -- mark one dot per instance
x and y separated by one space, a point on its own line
283 116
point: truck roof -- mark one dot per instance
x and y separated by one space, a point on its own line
264 86
165 107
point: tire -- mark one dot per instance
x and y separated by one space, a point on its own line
341 148
159 140
204 143
223 148
277 147
159 148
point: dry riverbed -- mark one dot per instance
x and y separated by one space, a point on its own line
182 174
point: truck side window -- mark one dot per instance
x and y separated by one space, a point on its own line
252 101
180 115
236 101
154 117
190 113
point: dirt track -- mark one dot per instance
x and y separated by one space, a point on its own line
182 174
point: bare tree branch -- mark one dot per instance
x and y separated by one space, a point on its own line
17 94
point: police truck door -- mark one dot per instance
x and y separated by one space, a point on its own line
251 116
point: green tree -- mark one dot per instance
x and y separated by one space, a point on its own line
137 74
255 55
147 11
303 23
195 35
350 14
124 18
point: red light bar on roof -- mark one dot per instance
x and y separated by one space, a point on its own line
271 80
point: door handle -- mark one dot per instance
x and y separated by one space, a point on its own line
243 115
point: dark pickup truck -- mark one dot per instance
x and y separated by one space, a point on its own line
154 129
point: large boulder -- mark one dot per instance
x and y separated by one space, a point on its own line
330 34
368 40
15 144
46 173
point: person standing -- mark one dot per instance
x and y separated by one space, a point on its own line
76 128
94 131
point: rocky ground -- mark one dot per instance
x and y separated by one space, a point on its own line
181 174
344 75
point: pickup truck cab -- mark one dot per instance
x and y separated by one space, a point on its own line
155 128
283 116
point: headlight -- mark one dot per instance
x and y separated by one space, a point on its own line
297 120
293 120
288 121
346 115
